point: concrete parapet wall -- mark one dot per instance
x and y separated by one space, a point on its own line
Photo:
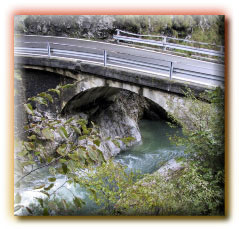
141 79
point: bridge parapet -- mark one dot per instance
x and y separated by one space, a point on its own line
141 79
140 60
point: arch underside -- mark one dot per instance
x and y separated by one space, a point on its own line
91 90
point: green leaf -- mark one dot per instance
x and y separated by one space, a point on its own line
46 193
93 192
82 121
22 153
116 143
78 202
52 179
92 155
29 145
82 137
32 137
69 120
64 168
67 86
180 159
26 163
49 187
29 210
101 155
45 212
55 91
76 129
62 160
74 156
46 95
127 140
47 133
62 131
39 100
40 200
85 130
28 108
18 198
52 171
39 187
82 154
49 159
97 142
62 150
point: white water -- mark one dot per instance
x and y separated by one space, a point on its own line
146 157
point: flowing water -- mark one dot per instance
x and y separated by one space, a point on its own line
154 150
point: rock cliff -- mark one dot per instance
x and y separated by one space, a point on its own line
206 28
117 121
120 120
80 26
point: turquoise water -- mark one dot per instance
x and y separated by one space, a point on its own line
154 150
146 157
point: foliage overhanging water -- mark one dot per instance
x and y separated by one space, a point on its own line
154 150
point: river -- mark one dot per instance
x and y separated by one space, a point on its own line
147 157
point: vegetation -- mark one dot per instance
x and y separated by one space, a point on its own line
70 148
67 158
203 28
197 189
65 147
206 30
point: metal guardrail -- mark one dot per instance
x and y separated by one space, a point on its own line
168 69
165 44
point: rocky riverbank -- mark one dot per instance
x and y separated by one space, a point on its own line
120 118
116 119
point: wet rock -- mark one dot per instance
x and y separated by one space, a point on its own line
120 120
171 167
116 116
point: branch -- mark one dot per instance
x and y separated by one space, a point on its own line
69 190
58 188
45 165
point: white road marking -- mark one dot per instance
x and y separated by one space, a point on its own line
100 42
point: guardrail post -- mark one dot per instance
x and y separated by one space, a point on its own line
49 49
171 71
105 57
164 43
118 33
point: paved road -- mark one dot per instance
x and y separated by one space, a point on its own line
202 72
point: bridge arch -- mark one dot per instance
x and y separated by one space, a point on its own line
92 99
169 102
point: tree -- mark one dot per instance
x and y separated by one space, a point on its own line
65 146
198 188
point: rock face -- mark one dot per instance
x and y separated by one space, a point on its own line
116 117
120 120
104 26
92 26
116 112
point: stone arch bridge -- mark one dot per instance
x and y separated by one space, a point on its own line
94 82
